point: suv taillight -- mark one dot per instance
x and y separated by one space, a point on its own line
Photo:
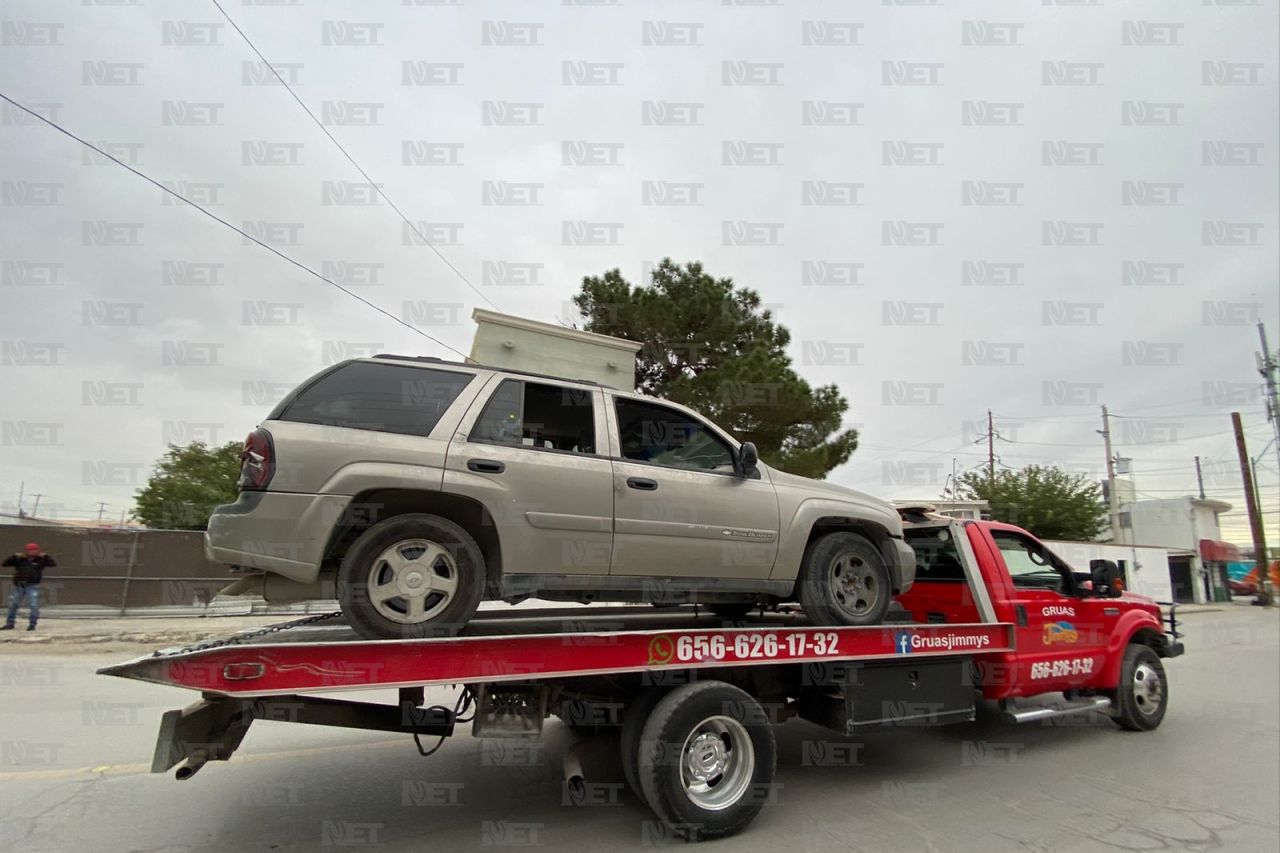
257 461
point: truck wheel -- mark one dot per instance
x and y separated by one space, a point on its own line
1143 694
706 760
844 581
409 577
633 720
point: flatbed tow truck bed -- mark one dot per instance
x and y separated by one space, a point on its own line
596 668
694 696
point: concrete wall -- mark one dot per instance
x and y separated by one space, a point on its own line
119 569
1147 569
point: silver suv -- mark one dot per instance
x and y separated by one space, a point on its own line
411 489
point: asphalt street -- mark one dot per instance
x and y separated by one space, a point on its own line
75 751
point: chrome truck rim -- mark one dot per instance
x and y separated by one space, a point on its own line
717 763
854 585
1148 693
412 581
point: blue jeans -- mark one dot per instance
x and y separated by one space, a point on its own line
30 594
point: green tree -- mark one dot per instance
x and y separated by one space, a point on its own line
187 484
1045 500
708 344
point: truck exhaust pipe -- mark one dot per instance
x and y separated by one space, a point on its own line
575 780
192 765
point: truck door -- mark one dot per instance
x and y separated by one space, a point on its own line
680 508
535 454
1061 636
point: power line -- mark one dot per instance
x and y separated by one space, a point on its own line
351 160
222 221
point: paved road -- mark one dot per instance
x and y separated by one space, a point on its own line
74 750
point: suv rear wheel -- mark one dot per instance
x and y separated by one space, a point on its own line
411 576
844 581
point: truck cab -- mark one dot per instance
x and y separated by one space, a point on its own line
1070 633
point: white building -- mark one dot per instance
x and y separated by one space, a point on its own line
1188 527
1145 569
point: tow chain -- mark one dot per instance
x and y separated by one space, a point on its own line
243 636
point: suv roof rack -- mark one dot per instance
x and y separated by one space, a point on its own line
436 360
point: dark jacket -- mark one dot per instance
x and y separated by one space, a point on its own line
29 571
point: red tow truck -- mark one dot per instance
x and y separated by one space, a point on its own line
993 616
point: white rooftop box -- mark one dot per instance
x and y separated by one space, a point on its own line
518 344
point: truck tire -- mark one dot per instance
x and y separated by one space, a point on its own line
1142 696
844 581
633 720
706 760
410 577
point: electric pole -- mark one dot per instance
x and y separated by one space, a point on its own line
36 508
21 486
1269 366
1113 502
1199 478
102 507
1255 515
991 448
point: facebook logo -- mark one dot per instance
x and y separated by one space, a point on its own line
902 642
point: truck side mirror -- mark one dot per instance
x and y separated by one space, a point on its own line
1105 575
747 459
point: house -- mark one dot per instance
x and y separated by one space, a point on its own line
1188 527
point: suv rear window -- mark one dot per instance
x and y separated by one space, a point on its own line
382 397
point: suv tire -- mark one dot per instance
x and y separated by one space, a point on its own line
844 581
410 577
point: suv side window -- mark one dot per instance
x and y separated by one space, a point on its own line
545 417
382 397
663 436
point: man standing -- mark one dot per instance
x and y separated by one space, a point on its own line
28 571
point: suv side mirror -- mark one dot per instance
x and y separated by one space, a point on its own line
1105 575
747 459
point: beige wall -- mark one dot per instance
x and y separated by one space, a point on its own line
120 569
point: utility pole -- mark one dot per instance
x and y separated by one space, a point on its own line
991 448
1269 367
21 486
102 507
1255 515
36 508
1113 502
1199 478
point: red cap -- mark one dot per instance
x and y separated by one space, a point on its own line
32 546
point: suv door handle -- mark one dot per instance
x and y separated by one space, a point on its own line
485 466
644 484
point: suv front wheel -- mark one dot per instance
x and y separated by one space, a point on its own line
844 581
410 577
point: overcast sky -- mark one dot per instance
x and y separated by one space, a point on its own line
1033 209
